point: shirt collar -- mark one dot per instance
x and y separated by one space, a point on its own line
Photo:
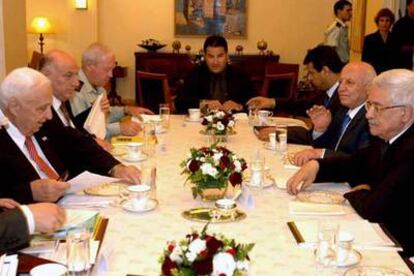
332 90
353 112
56 103
393 139
341 22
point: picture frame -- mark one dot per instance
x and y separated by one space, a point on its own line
207 17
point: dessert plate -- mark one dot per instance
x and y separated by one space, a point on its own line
324 197
140 158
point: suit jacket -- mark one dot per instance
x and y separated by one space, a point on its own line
402 36
65 148
356 135
197 87
378 53
14 232
389 172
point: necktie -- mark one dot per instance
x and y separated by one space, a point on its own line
345 123
65 114
43 166
326 100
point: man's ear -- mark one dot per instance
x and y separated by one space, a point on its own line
325 70
14 106
407 113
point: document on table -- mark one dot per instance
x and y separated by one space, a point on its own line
96 121
366 235
8 265
86 180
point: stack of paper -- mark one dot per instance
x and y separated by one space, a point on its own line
303 208
8 265
366 235
96 122
86 180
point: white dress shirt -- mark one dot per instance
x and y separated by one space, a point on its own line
56 106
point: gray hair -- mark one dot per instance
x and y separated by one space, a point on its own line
95 53
400 85
19 82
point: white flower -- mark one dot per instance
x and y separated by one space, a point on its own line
220 114
197 246
242 265
237 166
217 156
209 118
176 255
223 263
220 126
191 256
208 169
231 123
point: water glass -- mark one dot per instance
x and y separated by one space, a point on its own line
149 138
327 234
281 137
263 115
343 247
257 169
77 251
149 178
272 140
253 117
165 115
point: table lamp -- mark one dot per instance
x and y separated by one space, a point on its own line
41 26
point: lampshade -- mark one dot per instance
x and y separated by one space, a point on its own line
41 25
81 4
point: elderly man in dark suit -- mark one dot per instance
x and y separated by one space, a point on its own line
18 222
35 153
347 130
381 175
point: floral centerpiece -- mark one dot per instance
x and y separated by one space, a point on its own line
212 168
204 254
219 122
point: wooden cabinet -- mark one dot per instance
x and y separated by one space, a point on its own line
177 66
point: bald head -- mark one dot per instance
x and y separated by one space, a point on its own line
355 81
98 61
25 98
62 70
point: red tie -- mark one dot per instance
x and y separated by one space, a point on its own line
44 167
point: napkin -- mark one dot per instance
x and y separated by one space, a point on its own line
96 122
303 208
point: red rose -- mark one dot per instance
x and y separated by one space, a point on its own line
222 274
224 162
225 121
243 164
203 267
167 266
232 251
213 245
171 247
194 166
235 178
204 122
204 254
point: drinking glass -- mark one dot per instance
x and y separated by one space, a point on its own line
281 138
343 247
253 117
134 150
257 169
149 178
263 115
149 138
327 234
77 251
165 115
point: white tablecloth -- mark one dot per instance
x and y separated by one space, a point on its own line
134 242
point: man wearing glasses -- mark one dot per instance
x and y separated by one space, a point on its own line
381 176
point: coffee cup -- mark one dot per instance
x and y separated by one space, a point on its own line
138 196
194 114
134 150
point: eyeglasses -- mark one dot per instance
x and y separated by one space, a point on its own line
378 108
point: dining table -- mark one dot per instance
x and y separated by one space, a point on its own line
135 241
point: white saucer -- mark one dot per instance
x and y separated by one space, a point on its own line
160 130
354 258
49 269
269 182
268 146
151 204
188 119
142 157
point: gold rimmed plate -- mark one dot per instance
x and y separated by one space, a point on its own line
228 133
204 214
373 270
149 206
107 189
323 197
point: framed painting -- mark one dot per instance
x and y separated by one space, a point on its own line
207 17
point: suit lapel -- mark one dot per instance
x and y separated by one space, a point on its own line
348 134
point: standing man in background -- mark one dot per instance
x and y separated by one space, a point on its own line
337 33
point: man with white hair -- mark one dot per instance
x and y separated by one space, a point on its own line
98 61
381 175
35 156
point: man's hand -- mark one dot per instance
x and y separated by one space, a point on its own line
105 105
261 102
8 203
320 117
303 178
129 173
104 144
303 156
130 128
263 134
231 105
137 110
48 190
48 217
213 104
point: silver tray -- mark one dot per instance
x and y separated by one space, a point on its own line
204 214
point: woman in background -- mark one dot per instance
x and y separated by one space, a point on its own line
377 49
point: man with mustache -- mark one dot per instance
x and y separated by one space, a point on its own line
381 175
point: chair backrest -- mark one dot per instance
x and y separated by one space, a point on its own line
153 89
35 60
279 85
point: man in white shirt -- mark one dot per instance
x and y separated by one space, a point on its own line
337 33
18 222
98 61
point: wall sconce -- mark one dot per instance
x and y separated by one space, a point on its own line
81 4
41 26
